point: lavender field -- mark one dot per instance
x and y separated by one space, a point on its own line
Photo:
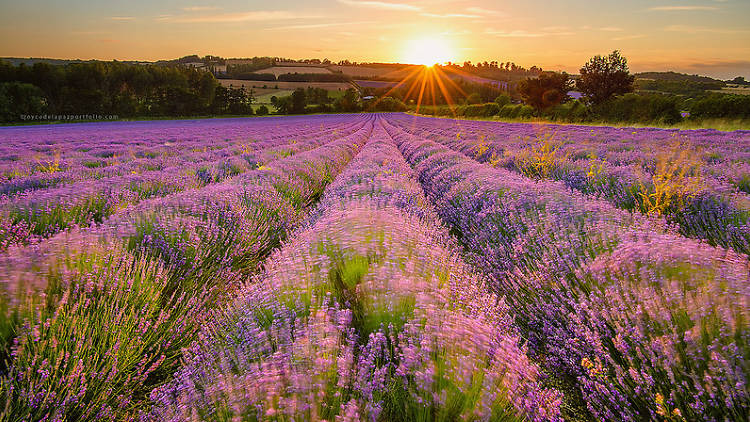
380 267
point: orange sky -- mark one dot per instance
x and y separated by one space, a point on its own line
707 37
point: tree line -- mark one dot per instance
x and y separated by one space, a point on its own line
607 91
317 100
113 88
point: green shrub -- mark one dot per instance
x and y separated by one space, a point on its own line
525 112
502 100
509 110
640 108
721 105
480 110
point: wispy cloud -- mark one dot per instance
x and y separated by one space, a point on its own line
451 15
122 18
199 8
690 29
88 32
681 8
255 16
526 34
611 29
382 5
485 12
556 28
321 25
629 37
708 64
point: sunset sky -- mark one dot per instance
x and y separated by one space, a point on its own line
709 37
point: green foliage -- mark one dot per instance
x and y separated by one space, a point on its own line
112 319
232 101
721 105
604 77
634 108
256 63
572 111
503 100
681 87
474 98
317 96
389 104
480 110
516 111
18 98
262 110
348 102
114 88
546 91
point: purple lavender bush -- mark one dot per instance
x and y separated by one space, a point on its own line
131 293
601 294
362 315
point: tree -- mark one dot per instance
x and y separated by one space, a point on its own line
546 91
502 100
474 98
262 110
18 98
299 101
604 77
348 103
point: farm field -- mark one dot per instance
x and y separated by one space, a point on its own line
363 72
282 85
736 89
373 267
281 70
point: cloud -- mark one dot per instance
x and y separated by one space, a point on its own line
450 15
199 8
720 64
89 32
485 12
524 34
319 25
690 29
381 5
611 29
629 37
555 28
122 18
717 68
681 8
255 16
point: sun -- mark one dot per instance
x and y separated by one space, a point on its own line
428 51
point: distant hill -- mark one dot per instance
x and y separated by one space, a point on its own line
674 76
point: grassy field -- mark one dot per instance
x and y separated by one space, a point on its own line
265 98
735 89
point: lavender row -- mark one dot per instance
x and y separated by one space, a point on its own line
639 323
43 156
700 183
723 155
366 314
38 214
96 318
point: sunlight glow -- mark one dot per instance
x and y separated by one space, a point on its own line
428 51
